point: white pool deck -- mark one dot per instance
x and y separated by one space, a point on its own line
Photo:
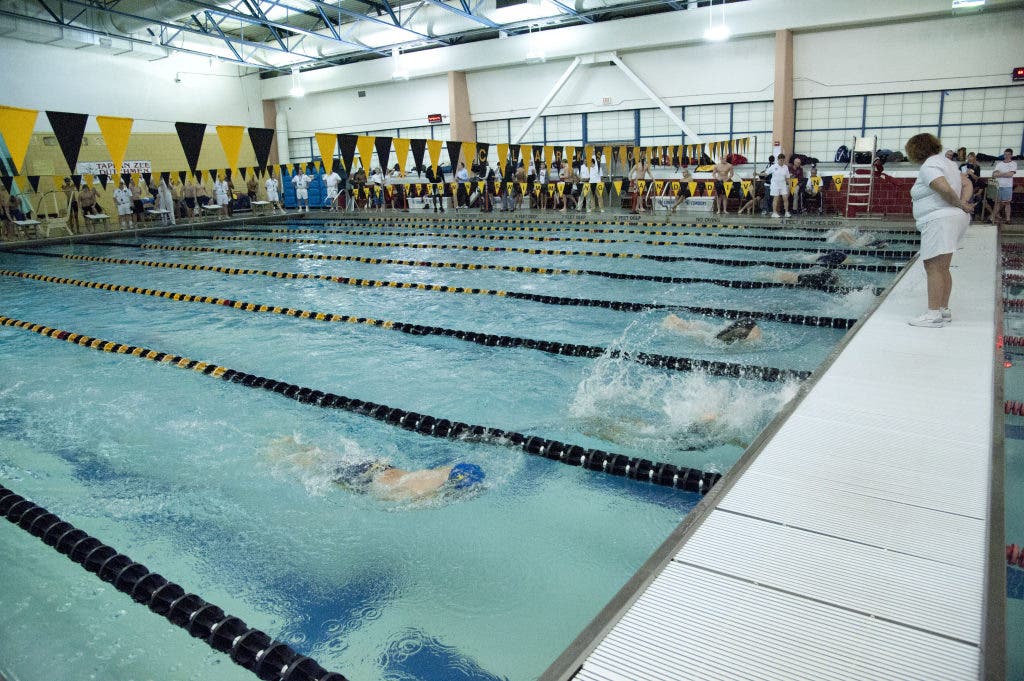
854 544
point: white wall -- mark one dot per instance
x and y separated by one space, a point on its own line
972 50
386 105
44 77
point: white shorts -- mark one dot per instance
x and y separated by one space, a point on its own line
124 209
332 193
272 196
942 235
778 190
302 194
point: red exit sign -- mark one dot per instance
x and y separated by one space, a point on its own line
434 118
1018 73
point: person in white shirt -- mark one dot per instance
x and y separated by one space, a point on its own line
780 186
595 179
1004 173
223 193
377 180
462 177
332 181
165 200
942 209
301 182
272 193
123 199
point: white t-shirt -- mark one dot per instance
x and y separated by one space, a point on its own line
929 204
595 173
1002 167
271 185
779 176
301 181
332 181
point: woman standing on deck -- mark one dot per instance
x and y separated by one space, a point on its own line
942 209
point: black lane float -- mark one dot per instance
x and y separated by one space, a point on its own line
880 253
585 230
247 647
634 468
617 305
728 283
491 340
538 251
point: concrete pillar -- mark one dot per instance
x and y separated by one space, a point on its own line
270 121
784 112
462 128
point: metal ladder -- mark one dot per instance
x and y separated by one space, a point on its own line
861 182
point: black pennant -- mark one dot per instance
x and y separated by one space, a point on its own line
262 139
213 174
419 147
454 149
147 178
166 177
69 128
383 146
182 174
347 147
126 178
76 180
34 181
104 178
8 181
191 137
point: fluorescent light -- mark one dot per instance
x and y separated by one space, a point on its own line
960 4
296 90
718 32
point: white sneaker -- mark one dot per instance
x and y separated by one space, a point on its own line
930 319
788 215
946 314
776 215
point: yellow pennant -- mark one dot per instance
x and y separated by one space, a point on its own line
561 187
58 181
551 189
88 179
588 151
135 178
502 157
434 149
636 154
549 152
522 186
623 151
526 151
364 145
658 186
675 186
709 188
325 142
641 185
816 182
607 153
837 180
231 141
469 154
793 182
728 187
401 146
570 154
480 186
508 187
468 186
16 126
586 189
745 186
618 186
600 188
692 186
116 132
455 187
302 167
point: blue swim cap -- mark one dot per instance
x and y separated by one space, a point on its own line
465 475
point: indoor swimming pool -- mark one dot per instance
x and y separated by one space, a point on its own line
561 332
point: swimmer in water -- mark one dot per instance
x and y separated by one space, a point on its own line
820 278
744 329
852 237
381 479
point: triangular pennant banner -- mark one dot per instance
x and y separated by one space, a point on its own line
104 178
325 142
793 182
502 157
469 154
434 149
8 181
745 186
76 180
528 163
454 151
483 152
402 154
347 149
69 129
166 177
262 139
418 146
33 181
148 177
837 180
364 145
88 178
658 186
16 127
709 188
383 146
191 137
549 152
231 141
816 182
243 170
618 186
728 187
182 174
692 187
675 186
213 174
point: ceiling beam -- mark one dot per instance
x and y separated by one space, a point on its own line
467 15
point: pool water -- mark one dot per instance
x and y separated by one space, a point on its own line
228 491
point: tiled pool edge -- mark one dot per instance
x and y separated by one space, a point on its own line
992 642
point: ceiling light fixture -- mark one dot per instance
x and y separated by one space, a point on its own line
716 32
297 90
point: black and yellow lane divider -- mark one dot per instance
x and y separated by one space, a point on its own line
247 646
878 253
635 468
536 251
617 305
491 340
495 228
728 283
